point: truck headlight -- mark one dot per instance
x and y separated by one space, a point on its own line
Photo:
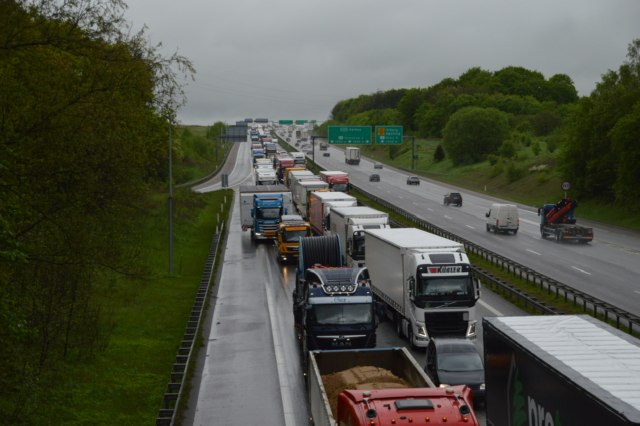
444 385
471 332
482 386
422 332
258 233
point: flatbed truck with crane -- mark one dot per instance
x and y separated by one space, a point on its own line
557 221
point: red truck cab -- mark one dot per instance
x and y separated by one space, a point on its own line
435 406
338 181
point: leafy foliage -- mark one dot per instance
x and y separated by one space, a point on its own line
439 154
472 133
84 108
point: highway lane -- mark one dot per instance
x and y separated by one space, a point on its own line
607 268
253 367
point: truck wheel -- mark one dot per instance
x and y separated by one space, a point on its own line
399 325
488 229
495 230
515 231
558 238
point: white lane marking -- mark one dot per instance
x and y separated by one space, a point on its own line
636 291
400 196
581 270
285 391
448 217
417 204
529 221
495 311
469 226
429 209
534 252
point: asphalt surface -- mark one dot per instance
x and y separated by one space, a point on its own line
251 370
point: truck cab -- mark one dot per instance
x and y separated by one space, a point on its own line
266 213
290 229
335 309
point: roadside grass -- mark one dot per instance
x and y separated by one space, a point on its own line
193 166
125 384
544 295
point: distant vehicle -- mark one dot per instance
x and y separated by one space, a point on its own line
310 152
297 144
326 154
378 165
503 217
298 140
374 178
452 362
413 180
453 198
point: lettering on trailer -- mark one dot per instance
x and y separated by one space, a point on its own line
445 269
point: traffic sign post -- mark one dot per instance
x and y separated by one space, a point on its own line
349 135
566 185
389 135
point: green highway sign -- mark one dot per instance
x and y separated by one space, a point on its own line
313 121
389 135
285 122
350 135
301 121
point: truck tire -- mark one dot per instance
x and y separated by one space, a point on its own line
399 325
558 238
515 231
495 230
542 234
488 229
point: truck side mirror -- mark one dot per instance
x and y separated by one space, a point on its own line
487 214
412 287
349 246
382 312
477 282
538 211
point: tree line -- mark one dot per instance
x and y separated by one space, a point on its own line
85 105
482 112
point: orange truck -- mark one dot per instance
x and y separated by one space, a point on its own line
383 387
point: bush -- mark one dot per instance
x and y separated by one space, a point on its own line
515 172
439 155
508 149
493 159
535 148
524 127
523 156
553 141
496 169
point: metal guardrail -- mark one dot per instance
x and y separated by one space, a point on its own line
421 171
169 408
590 304
210 175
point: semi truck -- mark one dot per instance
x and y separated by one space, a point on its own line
321 203
258 153
333 306
349 223
261 208
299 159
383 386
352 155
282 164
425 281
338 181
290 229
287 174
296 175
324 146
560 370
266 176
270 149
300 192
557 221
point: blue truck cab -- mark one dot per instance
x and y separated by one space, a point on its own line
258 153
266 213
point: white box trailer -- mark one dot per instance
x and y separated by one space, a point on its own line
301 190
321 203
349 223
296 175
266 176
246 200
425 281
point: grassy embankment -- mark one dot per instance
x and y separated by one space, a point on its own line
533 189
124 385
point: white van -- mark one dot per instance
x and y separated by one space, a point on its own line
503 217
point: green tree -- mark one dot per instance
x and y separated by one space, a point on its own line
439 154
508 149
474 132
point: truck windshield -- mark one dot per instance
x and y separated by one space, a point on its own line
269 213
358 247
293 236
359 313
445 288
340 187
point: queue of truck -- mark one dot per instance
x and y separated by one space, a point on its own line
557 370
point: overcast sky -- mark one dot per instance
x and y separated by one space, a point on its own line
294 59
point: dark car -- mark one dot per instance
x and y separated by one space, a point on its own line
374 178
453 198
377 165
326 154
456 361
413 180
